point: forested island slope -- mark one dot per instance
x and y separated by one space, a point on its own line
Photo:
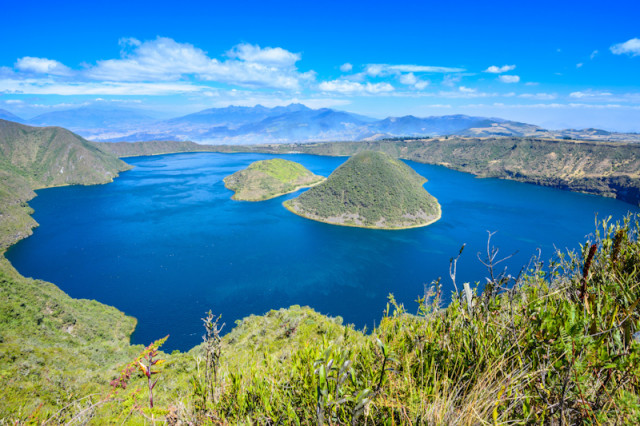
609 169
370 190
266 179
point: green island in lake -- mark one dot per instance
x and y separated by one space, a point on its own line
370 190
267 179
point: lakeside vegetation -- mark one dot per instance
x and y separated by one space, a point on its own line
370 190
556 343
266 179
41 157
610 169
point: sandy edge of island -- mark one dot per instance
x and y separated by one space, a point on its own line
297 188
437 218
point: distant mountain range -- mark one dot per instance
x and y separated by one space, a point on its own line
6 115
293 123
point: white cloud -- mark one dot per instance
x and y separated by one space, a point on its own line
589 94
451 80
377 70
346 67
579 65
509 78
421 84
352 87
42 66
409 79
423 68
160 66
465 93
629 47
164 59
593 54
275 56
129 41
539 96
499 70
51 87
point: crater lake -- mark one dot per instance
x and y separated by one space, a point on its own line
165 243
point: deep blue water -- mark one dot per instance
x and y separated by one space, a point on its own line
165 243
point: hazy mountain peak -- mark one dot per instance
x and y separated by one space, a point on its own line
6 115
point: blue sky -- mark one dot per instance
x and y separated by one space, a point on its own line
553 63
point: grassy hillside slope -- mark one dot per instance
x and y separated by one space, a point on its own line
267 179
41 157
370 190
54 349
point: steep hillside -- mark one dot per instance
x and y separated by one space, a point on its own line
267 179
54 348
40 157
370 190
52 156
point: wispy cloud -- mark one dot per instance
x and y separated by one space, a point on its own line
499 70
51 87
539 96
274 56
629 47
509 78
42 66
410 79
589 94
377 70
451 80
353 87
467 90
593 54
346 67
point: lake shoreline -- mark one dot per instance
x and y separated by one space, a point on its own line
438 217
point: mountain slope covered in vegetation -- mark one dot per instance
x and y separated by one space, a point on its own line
370 190
267 179
41 157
